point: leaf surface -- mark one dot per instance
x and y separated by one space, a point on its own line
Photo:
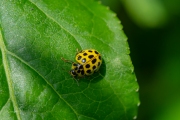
34 82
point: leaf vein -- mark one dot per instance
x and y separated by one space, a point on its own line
8 76
44 80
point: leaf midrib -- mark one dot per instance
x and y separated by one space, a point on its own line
8 76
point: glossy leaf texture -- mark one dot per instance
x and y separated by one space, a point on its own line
34 81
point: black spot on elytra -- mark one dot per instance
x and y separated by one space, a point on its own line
90 56
93 61
87 66
88 71
79 57
98 63
78 71
74 64
84 54
81 67
89 50
83 60
100 57
82 72
96 52
94 67
76 68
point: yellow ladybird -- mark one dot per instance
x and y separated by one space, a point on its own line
87 62
90 60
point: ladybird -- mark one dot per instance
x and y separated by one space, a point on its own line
87 62
90 60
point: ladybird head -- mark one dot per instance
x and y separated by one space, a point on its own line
73 70
77 70
73 73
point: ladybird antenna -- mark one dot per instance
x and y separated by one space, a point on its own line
69 61
77 50
65 70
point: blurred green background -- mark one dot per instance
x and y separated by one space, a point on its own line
153 31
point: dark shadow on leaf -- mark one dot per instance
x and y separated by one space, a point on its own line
97 76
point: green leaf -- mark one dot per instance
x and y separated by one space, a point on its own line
34 82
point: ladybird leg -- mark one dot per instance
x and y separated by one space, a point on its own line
66 71
78 51
69 61
76 81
